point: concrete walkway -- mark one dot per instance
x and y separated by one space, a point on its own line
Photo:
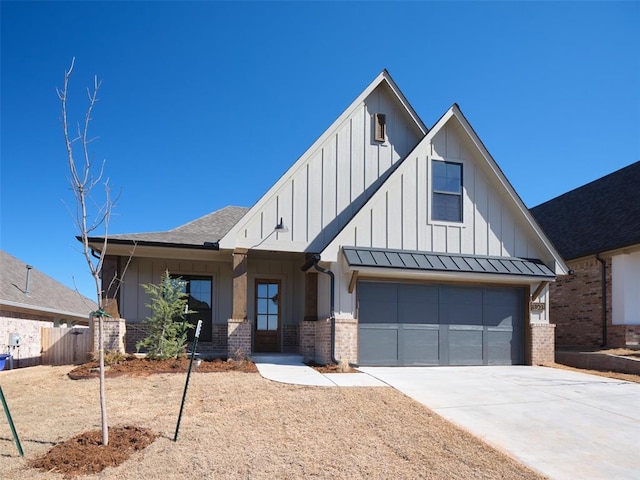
289 368
564 424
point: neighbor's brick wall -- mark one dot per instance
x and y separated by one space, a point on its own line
541 346
576 304
28 354
239 337
576 308
623 335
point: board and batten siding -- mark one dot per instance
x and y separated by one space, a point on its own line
398 215
332 180
133 298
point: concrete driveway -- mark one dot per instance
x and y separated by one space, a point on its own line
564 424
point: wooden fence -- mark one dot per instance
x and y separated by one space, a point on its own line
65 346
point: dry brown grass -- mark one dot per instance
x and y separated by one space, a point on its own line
629 377
238 425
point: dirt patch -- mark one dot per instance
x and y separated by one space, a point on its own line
85 454
622 352
134 366
238 426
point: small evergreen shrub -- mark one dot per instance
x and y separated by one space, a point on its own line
167 326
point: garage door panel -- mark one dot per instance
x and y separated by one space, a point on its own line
378 344
379 303
501 307
460 314
418 304
420 344
499 346
465 345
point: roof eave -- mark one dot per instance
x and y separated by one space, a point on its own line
50 311
439 275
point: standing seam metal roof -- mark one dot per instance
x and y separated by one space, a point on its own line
430 261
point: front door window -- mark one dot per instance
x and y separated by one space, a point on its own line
267 303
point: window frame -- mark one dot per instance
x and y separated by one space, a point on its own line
449 194
208 329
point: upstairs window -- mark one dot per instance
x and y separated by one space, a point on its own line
380 127
446 186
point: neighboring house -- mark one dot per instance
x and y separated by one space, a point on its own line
385 243
596 228
30 300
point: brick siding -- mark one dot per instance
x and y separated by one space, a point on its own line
28 354
239 337
114 334
290 339
576 308
541 347
346 339
307 340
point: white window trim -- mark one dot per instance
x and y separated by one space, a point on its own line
430 219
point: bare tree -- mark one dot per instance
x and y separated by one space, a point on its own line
89 216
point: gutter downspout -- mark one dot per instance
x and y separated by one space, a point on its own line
603 281
313 262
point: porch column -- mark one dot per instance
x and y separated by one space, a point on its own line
239 327
240 284
311 296
110 284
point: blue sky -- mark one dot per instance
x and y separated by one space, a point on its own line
206 104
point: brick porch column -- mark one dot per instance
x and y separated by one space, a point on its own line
542 343
238 327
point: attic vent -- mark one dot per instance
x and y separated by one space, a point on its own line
380 132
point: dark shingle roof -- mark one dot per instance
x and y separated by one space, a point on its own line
444 262
209 228
599 216
44 292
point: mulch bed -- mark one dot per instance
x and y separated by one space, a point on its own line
134 366
84 454
331 368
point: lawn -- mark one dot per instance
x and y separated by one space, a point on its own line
239 425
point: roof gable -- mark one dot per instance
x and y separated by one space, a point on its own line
496 222
321 191
600 216
45 293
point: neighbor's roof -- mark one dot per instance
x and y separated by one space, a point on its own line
209 228
45 294
600 216
444 262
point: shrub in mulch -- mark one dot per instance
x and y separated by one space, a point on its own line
84 454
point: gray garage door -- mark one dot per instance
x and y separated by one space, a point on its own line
426 324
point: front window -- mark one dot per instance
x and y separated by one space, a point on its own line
199 292
446 189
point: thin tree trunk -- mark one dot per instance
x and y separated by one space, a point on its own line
103 399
